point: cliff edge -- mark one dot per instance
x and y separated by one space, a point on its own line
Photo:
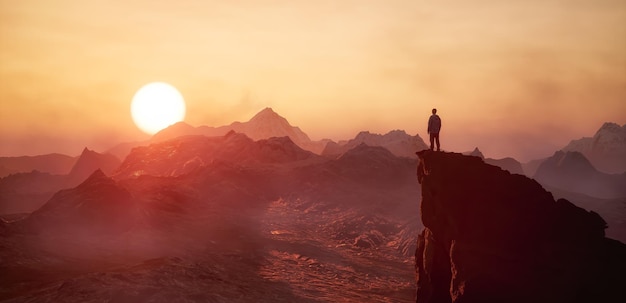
493 236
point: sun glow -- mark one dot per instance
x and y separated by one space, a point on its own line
156 106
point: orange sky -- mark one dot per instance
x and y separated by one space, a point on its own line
515 78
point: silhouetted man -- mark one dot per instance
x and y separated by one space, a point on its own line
434 126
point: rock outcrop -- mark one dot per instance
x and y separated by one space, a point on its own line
492 236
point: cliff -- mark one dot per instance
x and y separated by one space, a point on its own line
492 236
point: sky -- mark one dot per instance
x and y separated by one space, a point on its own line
516 78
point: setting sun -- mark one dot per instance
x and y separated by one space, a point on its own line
156 106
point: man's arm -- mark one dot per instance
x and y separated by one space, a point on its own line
430 124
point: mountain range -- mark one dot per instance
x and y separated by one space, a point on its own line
230 218
397 142
27 191
606 150
56 164
265 214
215 214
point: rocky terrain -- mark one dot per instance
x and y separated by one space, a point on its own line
492 236
248 221
248 216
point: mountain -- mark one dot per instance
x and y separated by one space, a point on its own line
97 205
201 218
530 167
476 153
26 192
571 171
264 125
510 164
56 164
185 154
88 162
123 149
374 165
397 142
606 149
492 236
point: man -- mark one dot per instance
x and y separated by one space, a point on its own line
434 126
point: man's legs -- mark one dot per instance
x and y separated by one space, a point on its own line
437 139
432 140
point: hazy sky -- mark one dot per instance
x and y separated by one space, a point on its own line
516 78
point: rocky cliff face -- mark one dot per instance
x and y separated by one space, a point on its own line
492 236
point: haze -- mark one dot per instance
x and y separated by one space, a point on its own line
515 78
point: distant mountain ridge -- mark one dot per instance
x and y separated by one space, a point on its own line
397 142
185 154
573 172
27 191
264 125
56 164
606 149
508 163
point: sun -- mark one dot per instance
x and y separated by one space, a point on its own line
156 106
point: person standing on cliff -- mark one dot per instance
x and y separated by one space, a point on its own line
434 126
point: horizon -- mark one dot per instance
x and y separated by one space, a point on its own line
425 139
518 79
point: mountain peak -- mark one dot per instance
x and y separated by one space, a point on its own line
606 149
97 177
88 162
267 112
611 127
477 153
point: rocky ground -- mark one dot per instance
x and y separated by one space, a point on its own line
290 251
303 254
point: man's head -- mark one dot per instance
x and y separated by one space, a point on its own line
434 111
